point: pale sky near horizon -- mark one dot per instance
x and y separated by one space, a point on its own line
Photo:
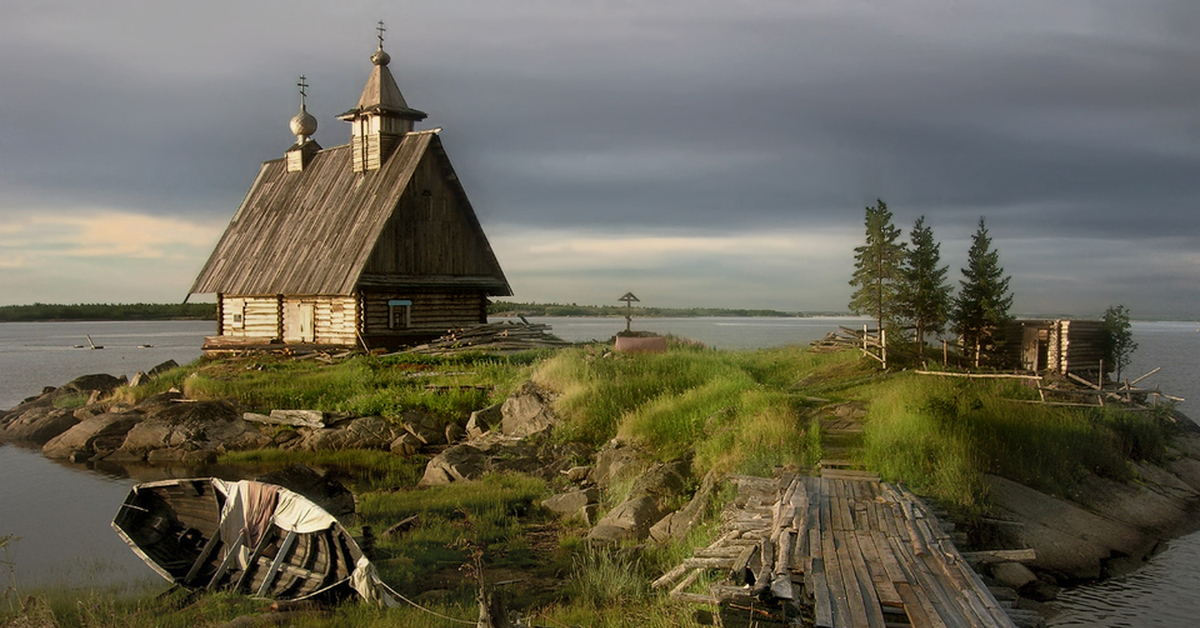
698 153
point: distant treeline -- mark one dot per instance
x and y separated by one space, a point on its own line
108 312
557 309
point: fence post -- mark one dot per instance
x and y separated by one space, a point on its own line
883 347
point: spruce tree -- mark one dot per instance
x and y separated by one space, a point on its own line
1118 339
924 298
981 307
877 265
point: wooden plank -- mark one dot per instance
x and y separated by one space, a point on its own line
856 605
1000 556
252 563
935 609
866 582
822 600
837 586
209 546
884 589
269 577
231 552
913 607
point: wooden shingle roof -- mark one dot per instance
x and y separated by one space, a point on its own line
320 231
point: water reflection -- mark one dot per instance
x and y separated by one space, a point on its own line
1159 595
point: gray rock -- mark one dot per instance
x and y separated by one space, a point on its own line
631 520
212 426
83 437
578 474
100 381
483 420
646 504
161 368
406 445
38 425
454 432
425 427
371 432
299 418
617 461
1012 575
528 411
457 463
1069 540
678 524
571 502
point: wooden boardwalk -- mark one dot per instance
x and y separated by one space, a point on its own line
840 550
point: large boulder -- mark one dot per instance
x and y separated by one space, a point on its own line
38 424
1070 542
677 525
647 503
571 502
98 434
175 432
617 461
495 453
483 420
370 432
528 411
461 462
426 428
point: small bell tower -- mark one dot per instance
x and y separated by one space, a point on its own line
382 118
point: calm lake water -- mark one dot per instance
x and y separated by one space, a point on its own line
61 511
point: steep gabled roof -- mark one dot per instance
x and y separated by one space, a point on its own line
314 232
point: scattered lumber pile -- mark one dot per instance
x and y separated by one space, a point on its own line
504 337
839 340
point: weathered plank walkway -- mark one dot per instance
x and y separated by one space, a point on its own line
840 550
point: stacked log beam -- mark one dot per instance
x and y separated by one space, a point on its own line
498 337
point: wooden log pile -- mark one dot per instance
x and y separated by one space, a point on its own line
506 337
841 339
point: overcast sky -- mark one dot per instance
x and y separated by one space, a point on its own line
697 153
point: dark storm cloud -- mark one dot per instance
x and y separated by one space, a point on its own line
1075 122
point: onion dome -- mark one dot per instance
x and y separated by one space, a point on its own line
303 125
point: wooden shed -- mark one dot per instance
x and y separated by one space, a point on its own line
1059 345
372 243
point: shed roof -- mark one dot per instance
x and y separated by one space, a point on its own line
313 232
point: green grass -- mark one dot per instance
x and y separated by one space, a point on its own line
735 411
365 470
941 436
359 386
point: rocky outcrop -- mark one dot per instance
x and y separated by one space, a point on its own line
648 502
1112 528
528 411
100 434
40 418
189 432
496 453
38 424
370 432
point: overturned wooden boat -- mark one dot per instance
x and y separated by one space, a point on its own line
250 537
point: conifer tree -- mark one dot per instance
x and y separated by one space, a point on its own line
1118 339
981 307
877 265
924 298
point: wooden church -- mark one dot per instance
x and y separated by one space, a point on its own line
370 244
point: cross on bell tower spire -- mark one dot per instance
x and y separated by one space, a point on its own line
382 118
